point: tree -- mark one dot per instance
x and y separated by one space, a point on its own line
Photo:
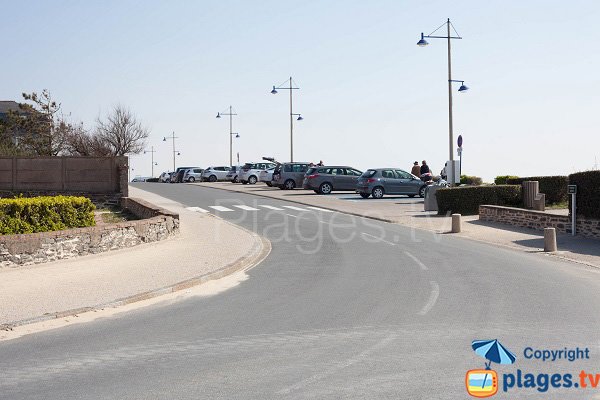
121 132
80 142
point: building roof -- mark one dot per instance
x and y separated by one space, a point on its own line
8 105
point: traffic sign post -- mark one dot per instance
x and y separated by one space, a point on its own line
572 190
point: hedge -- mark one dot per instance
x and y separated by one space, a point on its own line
588 193
152 180
470 180
45 213
502 179
554 187
467 199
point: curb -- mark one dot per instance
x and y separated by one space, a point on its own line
260 251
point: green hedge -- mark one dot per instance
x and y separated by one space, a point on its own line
470 180
588 193
467 199
45 213
152 180
554 187
502 179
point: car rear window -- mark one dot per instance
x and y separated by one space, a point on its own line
369 173
310 171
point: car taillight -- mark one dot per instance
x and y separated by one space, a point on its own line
371 180
312 176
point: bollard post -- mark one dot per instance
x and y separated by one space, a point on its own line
456 223
550 240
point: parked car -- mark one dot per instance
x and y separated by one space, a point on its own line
289 175
213 174
177 176
266 176
250 171
377 182
193 175
324 180
140 178
232 175
165 177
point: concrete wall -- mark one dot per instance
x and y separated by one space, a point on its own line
538 220
64 174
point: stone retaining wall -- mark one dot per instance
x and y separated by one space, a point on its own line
538 220
34 248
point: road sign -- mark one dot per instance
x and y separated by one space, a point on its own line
459 140
572 189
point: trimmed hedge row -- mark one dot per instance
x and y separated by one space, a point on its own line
588 193
470 180
502 179
554 187
466 200
45 213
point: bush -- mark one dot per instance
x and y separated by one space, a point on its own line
152 180
45 213
554 187
502 179
470 180
467 199
588 193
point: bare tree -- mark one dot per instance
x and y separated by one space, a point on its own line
122 132
80 142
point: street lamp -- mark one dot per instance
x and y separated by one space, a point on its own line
231 113
151 151
462 88
173 137
291 88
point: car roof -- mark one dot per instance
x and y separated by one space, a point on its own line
333 166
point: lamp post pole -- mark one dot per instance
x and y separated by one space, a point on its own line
291 88
151 151
231 133
172 137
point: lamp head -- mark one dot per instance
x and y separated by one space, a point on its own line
463 87
422 42
178 153
274 91
299 118
218 115
165 139
237 135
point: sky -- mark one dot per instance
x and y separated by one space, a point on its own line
368 95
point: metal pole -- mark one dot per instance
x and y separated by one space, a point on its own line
573 216
230 136
152 152
173 151
450 128
291 125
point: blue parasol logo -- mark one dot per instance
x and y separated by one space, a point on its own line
484 382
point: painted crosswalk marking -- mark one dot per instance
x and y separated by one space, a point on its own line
320 209
295 208
246 208
271 207
220 208
197 209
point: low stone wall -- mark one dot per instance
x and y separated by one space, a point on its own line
34 248
538 220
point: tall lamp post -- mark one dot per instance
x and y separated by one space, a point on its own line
291 88
462 88
175 152
230 113
151 151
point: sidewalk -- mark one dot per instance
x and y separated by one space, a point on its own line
200 253
409 212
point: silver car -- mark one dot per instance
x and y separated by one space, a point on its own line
250 171
324 180
192 175
232 174
213 174
377 182
289 175
266 176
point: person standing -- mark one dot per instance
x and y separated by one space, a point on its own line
416 170
425 172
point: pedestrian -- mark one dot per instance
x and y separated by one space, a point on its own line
416 170
320 164
425 172
444 172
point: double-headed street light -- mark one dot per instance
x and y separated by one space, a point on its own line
151 151
291 88
462 88
230 113
175 152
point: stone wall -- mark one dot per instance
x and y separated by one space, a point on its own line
34 248
538 220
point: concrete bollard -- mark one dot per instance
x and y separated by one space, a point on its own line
550 240
456 223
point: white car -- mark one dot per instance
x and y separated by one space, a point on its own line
266 176
192 175
213 174
165 177
251 171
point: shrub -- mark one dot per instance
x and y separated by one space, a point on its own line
45 213
470 180
588 193
554 187
502 179
152 180
467 199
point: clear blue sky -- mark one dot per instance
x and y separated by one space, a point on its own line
370 97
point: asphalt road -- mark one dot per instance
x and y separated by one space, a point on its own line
343 307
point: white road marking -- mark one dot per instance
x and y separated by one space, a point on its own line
197 209
295 208
220 208
247 208
271 207
415 259
320 209
435 292
378 239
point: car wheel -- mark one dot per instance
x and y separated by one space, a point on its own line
191 179
269 184
236 179
377 192
422 191
252 180
365 195
325 188
289 184
243 182
411 195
